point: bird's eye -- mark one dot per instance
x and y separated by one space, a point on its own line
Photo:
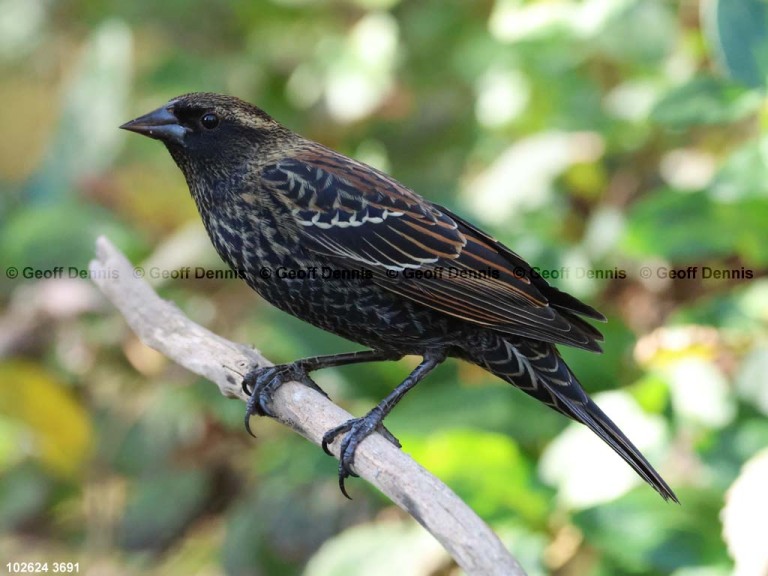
209 120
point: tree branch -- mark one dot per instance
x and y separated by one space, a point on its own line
162 326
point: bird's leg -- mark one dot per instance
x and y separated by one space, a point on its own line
357 429
260 383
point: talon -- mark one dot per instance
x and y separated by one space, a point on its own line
345 471
248 413
381 429
260 384
307 381
343 488
330 436
355 431
246 381
346 460
248 425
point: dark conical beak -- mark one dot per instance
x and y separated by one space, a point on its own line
160 125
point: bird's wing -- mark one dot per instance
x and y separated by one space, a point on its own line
358 216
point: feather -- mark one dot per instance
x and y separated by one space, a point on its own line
354 215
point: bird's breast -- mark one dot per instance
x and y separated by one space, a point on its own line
344 300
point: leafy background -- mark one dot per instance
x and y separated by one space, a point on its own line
619 135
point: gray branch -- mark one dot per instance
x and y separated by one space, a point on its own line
162 326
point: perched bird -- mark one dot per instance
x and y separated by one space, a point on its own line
409 276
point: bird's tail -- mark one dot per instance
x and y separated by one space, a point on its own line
537 368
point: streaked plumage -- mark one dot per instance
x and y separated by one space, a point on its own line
272 199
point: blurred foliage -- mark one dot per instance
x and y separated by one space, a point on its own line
593 136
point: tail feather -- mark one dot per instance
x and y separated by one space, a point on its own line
596 420
537 369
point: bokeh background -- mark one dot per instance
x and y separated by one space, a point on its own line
607 141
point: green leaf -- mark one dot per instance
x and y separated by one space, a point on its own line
487 470
638 32
705 100
162 506
24 493
675 226
491 406
738 33
40 238
685 227
640 533
87 139
744 174
379 549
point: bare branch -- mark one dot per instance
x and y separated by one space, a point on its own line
162 326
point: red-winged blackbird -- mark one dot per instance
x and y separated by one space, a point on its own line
407 276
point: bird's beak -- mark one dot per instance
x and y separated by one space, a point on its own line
160 125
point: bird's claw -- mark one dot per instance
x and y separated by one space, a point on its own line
354 431
261 383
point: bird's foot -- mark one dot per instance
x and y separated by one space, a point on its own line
261 383
354 431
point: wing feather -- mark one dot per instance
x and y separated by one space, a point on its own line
353 215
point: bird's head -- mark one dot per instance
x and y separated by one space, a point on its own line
200 121
212 137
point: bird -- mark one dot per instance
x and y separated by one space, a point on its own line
407 276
